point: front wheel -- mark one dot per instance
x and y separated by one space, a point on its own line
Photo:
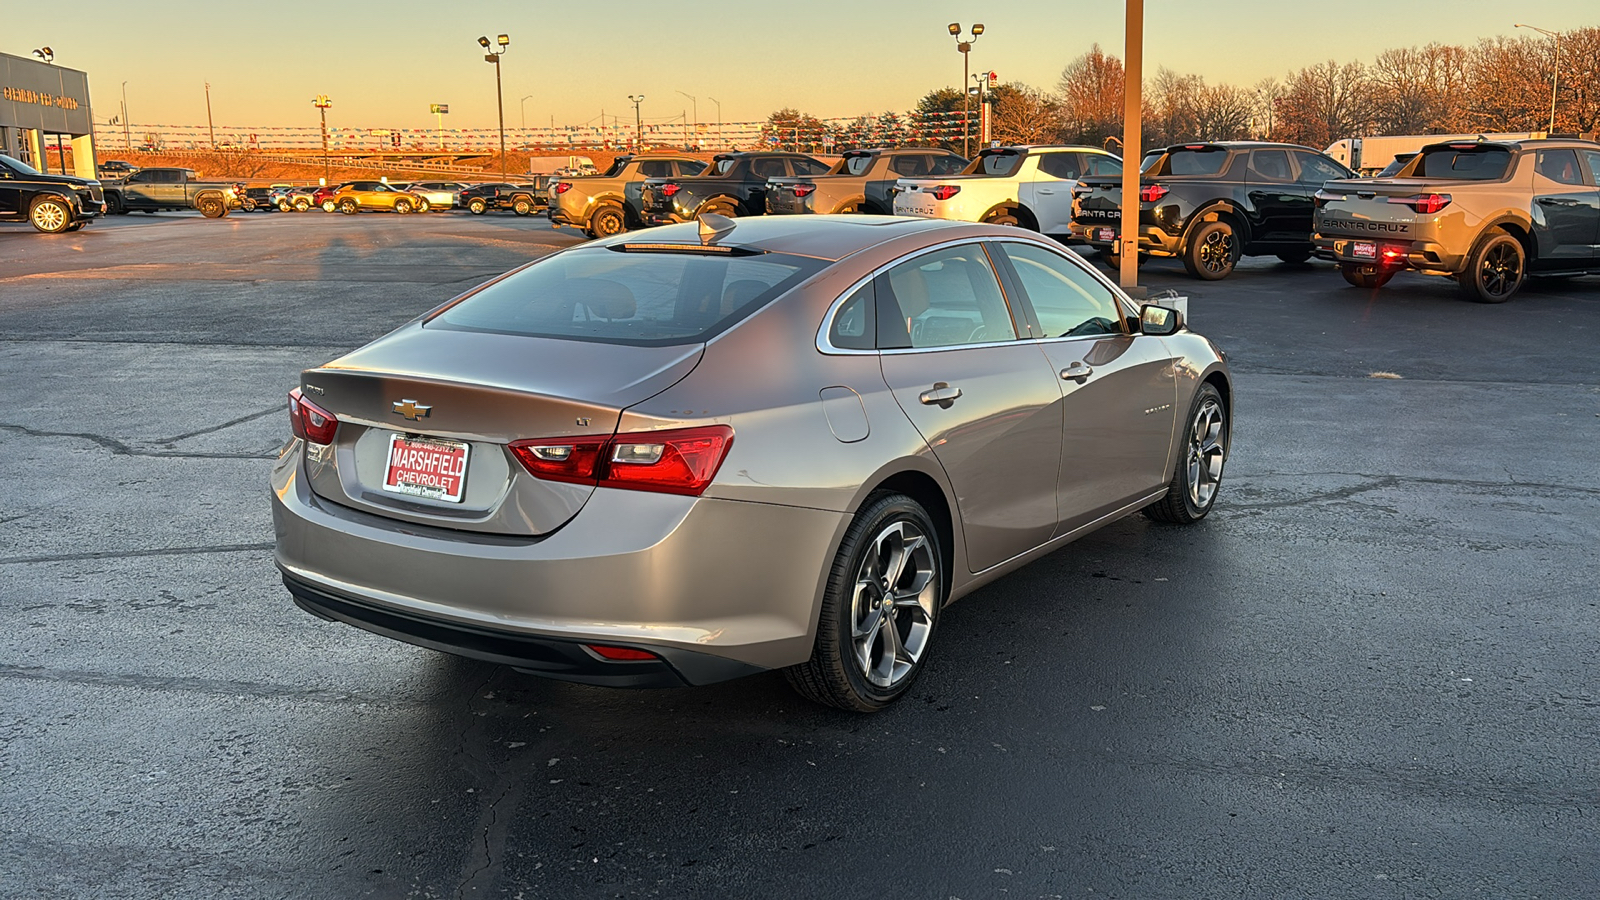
477 206
1212 252
327 206
284 206
608 221
50 215
114 205
522 206
1366 277
1495 269
879 610
1198 474
348 206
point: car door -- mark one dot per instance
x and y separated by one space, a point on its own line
1315 170
1279 202
1591 158
138 192
760 170
1118 388
1566 211
172 189
986 402
1052 188
10 191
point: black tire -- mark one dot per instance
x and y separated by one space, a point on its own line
608 221
1207 433
1212 251
719 208
522 206
1295 257
114 205
211 206
853 630
1003 218
423 205
1113 257
848 209
50 215
402 207
77 225
477 206
1495 269
348 206
1366 277
285 206
328 205
247 204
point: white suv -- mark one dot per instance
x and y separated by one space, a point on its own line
1028 185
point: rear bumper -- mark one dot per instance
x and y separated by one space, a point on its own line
1152 239
1421 256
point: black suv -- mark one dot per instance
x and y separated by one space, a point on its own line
735 185
51 203
1210 203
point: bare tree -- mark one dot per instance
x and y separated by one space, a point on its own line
1024 115
1509 85
1171 109
1265 96
1417 89
1324 103
1223 112
1578 106
1090 97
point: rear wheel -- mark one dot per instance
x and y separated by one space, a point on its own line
1198 475
423 205
477 206
402 207
522 206
1003 217
607 221
1495 269
247 204
879 610
1295 257
1366 277
211 207
348 206
327 205
1113 257
50 215
285 206
719 208
1212 252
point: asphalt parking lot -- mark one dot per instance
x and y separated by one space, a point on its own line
1369 674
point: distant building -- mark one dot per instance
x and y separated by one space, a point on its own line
43 104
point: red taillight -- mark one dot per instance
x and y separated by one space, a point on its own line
805 190
680 461
562 187
1390 254
1424 203
619 654
310 422
1150 193
667 190
945 191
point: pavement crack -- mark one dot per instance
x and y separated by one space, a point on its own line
135 554
118 448
1380 482
482 863
228 424
180 684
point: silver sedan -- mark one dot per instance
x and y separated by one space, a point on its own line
728 447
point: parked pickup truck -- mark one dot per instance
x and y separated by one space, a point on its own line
155 190
607 204
50 203
1026 185
1487 213
735 185
861 182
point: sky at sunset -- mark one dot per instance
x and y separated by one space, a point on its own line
383 63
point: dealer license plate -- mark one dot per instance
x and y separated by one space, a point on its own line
426 467
1105 234
1364 250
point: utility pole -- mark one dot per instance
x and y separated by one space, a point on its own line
965 46
210 127
695 104
638 122
492 55
1132 142
322 103
127 139
720 144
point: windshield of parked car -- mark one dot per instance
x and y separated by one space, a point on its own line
995 162
18 166
1467 163
647 298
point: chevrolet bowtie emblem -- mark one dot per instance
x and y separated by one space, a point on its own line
412 410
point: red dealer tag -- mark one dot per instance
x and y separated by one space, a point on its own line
426 467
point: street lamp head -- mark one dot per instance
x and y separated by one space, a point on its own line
977 30
45 53
484 42
955 28
503 40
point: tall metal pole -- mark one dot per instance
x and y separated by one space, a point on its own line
500 102
694 103
1555 74
638 123
966 113
209 127
322 103
127 139
720 145
1132 141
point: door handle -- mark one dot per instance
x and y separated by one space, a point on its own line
1078 372
942 395
1046 191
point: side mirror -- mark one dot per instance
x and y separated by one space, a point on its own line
1159 321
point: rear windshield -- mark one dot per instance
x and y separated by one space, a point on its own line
1399 163
1195 162
646 298
617 165
995 162
1471 164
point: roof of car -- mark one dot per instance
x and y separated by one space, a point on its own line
821 237
1050 147
1234 145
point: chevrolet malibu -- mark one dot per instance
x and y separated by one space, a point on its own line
777 443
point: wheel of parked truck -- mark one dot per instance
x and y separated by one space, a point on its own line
211 206
348 206
607 221
477 206
1002 218
522 206
423 205
328 206
1113 258
1495 269
402 207
719 208
114 205
879 610
1295 257
76 226
1213 251
1366 277
50 215
247 204
848 209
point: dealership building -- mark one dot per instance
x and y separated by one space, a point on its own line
43 105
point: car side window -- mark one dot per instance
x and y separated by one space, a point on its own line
1096 164
947 164
1068 301
947 298
1318 170
1060 165
1270 165
1560 166
141 177
910 165
655 168
690 167
1593 158
854 324
767 168
808 167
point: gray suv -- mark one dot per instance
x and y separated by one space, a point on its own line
608 204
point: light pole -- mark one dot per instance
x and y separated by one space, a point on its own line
524 105
322 103
720 145
210 128
638 122
491 55
1555 72
965 46
127 140
694 104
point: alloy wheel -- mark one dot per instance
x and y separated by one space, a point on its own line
892 603
1501 270
49 217
1207 451
1216 253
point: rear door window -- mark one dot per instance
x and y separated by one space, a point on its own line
1560 166
946 164
1270 165
911 165
1593 159
1060 165
1196 162
690 166
946 298
1316 169
656 168
1096 164
767 168
854 324
808 167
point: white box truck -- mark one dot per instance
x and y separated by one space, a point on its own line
1372 154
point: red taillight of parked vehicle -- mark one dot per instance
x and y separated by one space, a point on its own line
562 187
679 461
669 189
804 190
310 422
619 654
1423 203
945 191
1150 193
